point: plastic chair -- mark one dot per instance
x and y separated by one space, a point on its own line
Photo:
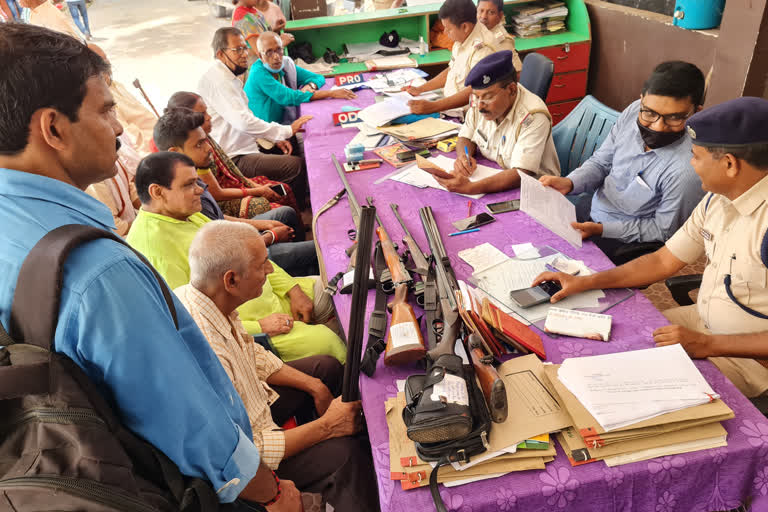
536 75
581 132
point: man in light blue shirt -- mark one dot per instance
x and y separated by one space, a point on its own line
641 180
58 134
276 86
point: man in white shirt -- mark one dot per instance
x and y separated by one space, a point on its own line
236 128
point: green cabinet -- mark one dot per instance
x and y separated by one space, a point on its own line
411 23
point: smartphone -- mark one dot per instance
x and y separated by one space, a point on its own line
279 189
528 297
472 222
503 206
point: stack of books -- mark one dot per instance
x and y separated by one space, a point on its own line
635 406
539 18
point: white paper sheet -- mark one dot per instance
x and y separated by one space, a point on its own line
385 111
549 208
526 250
628 387
483 257
422 179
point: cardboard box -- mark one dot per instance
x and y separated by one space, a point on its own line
303 9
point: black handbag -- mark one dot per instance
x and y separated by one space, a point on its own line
463 429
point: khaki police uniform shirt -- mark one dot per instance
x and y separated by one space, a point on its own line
479 44
522 139
730 233
504 41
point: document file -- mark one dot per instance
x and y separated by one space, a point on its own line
549 208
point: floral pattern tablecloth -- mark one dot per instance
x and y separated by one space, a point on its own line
709 480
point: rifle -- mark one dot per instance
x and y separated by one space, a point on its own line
354 208
419 261
404 341
447 288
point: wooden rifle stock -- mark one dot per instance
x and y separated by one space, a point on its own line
490 382
404 341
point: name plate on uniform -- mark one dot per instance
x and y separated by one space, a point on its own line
352 78
344 118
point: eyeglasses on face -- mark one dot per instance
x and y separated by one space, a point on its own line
238 49
672 120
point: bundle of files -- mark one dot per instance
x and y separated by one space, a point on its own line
522 442
539 18
634 406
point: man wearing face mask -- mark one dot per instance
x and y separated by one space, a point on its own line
642 183
276 86
236 128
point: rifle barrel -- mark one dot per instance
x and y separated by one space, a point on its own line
354 206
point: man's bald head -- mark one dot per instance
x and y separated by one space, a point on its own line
268 41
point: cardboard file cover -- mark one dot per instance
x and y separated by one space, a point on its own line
402 449
514 330
578 452
588 427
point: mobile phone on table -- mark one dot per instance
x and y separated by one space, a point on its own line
503 206
279 189
408 155
529 297
474 221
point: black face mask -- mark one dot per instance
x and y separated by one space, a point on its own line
238 70
655 140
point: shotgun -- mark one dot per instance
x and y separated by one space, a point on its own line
452 325
354 208
419 261
404 341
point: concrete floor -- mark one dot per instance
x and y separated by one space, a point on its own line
165 44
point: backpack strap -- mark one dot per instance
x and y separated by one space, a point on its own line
35 309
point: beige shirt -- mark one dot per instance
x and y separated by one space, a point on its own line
504 41
730 233
247 364
479 44
119 194
49 16
522 139
137 120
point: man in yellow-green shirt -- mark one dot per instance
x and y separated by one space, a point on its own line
163 231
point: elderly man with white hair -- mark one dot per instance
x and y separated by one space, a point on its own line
276 86
229 266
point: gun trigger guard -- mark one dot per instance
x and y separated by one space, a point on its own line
487 359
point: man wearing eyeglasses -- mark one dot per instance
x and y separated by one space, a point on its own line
276 86
507 124
641 181
236 128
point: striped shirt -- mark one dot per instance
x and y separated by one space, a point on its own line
248 365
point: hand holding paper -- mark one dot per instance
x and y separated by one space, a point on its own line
549 208
432 168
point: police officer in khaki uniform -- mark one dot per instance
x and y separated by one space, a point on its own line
507 124
729 325
491 14
472 42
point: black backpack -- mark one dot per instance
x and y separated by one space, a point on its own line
62 447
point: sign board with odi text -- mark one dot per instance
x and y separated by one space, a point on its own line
342 118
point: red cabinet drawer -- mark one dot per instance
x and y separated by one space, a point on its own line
568 57
560 110
567 87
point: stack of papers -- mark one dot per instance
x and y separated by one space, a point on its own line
416 177
628 387
627 391
422 131
532 412
385 111
539 18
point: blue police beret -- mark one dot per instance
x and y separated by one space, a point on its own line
495 67
735 123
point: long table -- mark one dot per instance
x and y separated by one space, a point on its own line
709 480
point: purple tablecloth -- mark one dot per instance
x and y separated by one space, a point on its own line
708 480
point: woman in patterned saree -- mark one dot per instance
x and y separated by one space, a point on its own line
228 176
249 17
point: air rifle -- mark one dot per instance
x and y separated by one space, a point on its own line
450 318
404 341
